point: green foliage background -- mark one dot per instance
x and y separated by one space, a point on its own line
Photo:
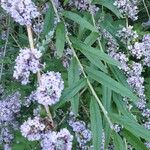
96 94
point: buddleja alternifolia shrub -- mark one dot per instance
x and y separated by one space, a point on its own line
74 75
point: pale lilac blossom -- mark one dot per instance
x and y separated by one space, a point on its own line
32 129
137 50
84 5
61 140
10 108
127 35
128 8
82 133
146 41
147 125
27 62
147 144
22 11
50 88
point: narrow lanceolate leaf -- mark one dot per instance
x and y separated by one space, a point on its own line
96 124
119 75
121 105
91 38
134 141
78 19
60 39
109 4
118 142
73 77
70 92
110 83
79 45
132 126
106 100
108 26
48 21
95 61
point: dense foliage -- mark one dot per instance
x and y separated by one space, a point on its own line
74 74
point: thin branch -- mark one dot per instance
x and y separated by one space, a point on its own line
31 42
146 9
15 40
83 72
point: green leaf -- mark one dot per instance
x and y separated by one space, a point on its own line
79 45
96 124
132 126
134 141
110 5
106 100
82 31
106 97
110 83
107 131
48 21
119 75
21 143
91 38
95 60
121 105
78 19
147 87
70 92
110 25
60 39
73 77
119 144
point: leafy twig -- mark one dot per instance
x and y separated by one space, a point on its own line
83 72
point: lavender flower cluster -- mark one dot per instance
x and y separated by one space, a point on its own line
37 129
84 5
128 8
53 140
114 51
50 88
127 35
10 108
147 144
140 50
27 62
6 138
22 11
38 27
32 128
133 70
146 54
82 133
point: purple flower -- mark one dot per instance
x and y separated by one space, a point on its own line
84 5
146 41
50 88
32 128
23 11
27 62
82 133
60 141
128 8
127 35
